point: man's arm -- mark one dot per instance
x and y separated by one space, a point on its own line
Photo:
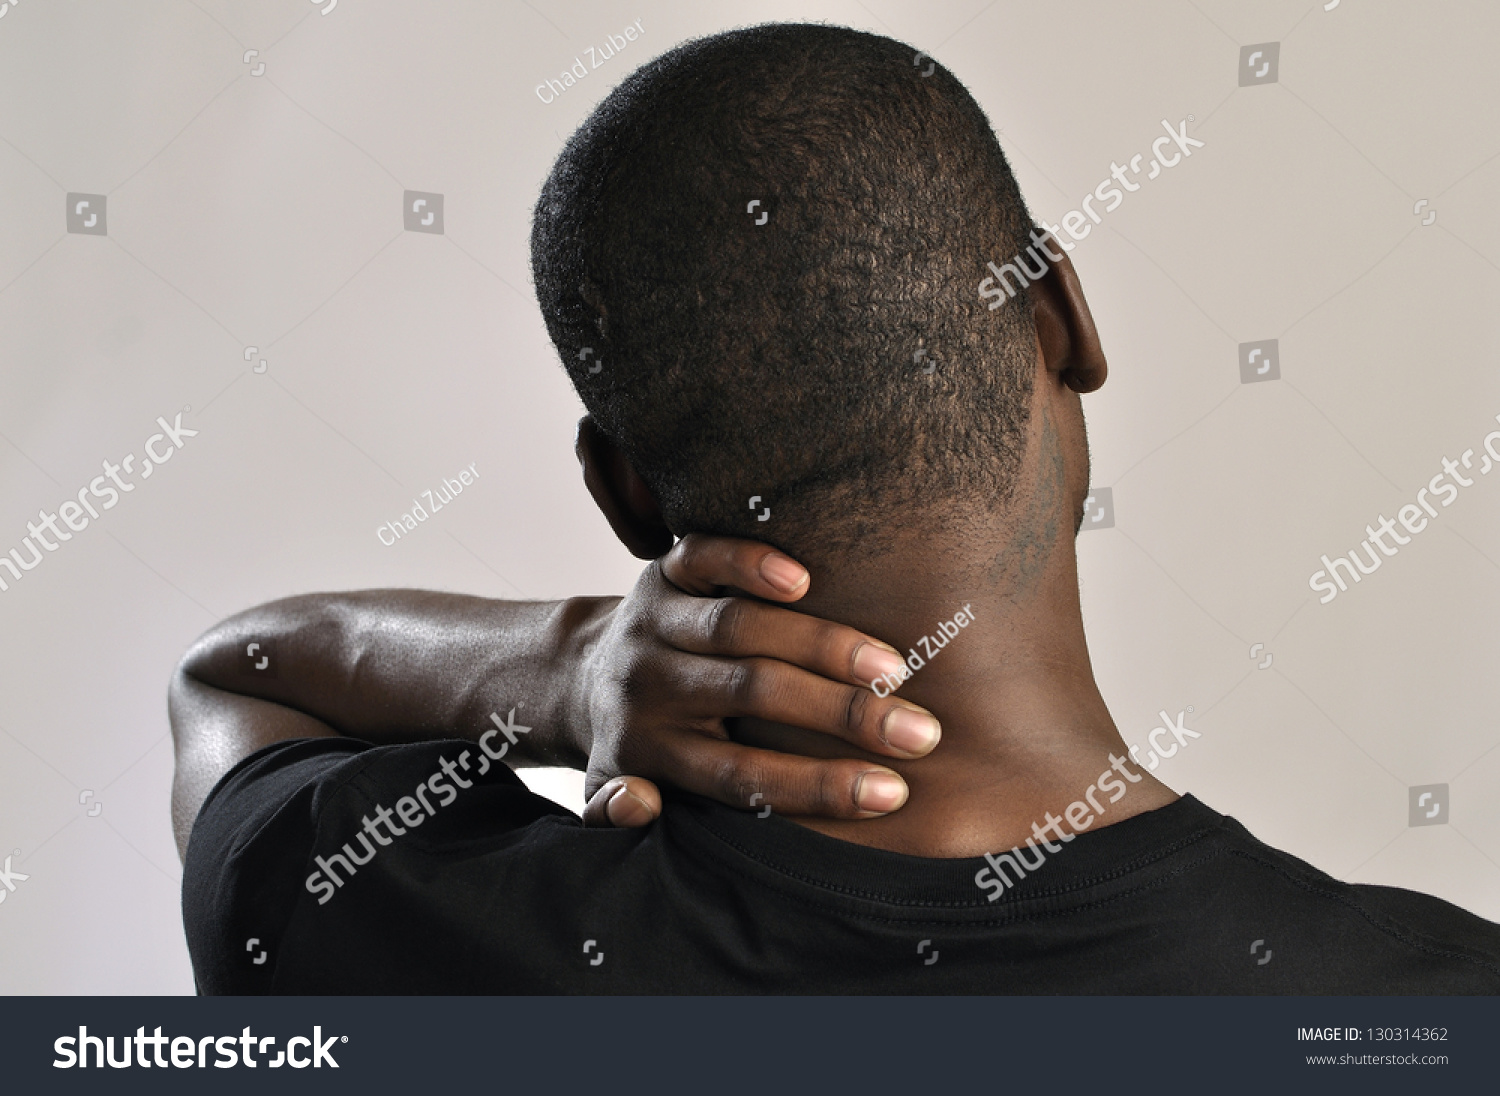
213 731
641 684
385 666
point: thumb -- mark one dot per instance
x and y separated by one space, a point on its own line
625 801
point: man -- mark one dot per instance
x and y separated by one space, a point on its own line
759 260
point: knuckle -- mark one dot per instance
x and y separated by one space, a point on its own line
725 624
637 626
649 756
828 636
743 685
834 793
735 783
634 675
858 711
641 684
692 553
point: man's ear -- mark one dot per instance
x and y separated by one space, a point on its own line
620 493
1065 327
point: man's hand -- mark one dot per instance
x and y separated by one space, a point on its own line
680 655
638 686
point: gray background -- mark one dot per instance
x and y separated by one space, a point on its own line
266 211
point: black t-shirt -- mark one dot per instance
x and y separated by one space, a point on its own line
489 888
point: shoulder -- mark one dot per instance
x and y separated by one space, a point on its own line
263 809
1386 939
251 861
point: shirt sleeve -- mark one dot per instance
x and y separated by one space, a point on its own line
254 842
261 817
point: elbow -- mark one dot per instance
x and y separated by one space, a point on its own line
248 646
211 658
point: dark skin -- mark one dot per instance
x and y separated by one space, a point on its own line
1025 730
656 684
639 685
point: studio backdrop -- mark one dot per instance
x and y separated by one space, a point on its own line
264 286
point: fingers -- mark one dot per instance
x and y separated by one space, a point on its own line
702 565
754 779
740 628
625 801
774 691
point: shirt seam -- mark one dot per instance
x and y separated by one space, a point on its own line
1394 928
1139 862
1017 914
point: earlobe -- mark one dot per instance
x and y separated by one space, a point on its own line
1065 328
620 493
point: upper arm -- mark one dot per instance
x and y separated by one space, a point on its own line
212 731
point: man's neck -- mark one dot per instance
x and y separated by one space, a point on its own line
1026 732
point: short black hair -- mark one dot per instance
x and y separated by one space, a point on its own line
759 258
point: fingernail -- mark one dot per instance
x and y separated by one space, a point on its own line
782 572
910 730
625 808
879 790
871 662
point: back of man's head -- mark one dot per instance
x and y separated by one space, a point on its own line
759 261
